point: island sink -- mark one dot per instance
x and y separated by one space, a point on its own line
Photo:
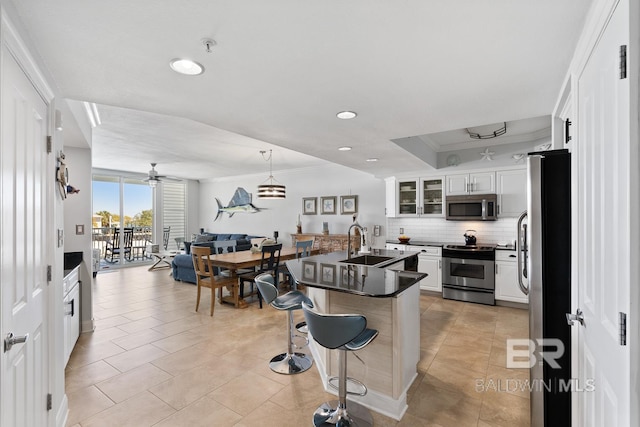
373 260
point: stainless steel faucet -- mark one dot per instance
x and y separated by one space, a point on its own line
359 227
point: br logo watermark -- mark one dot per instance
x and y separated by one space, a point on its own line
525 353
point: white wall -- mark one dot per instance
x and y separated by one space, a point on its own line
282 215
77 211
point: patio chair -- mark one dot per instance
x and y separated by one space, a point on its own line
113 248
165 237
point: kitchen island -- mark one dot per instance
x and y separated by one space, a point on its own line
389 297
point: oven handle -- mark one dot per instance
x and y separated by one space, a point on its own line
484 208
519 254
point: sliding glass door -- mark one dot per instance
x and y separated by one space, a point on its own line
122 219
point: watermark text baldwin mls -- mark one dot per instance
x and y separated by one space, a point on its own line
519 385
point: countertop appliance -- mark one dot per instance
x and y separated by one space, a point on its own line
470 237
474 207
468 273
546 249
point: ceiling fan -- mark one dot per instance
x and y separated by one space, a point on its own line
153 177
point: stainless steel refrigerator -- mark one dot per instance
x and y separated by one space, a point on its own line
544 249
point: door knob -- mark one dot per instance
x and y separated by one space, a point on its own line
575 317
10 340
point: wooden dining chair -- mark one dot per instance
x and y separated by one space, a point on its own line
205 276
269 263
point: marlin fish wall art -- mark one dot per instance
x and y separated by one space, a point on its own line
240 202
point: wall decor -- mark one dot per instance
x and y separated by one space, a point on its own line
309 205
240 202
62 175
348 204
309 270
328 205
328 274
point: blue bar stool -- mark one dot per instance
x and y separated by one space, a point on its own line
345 332
289 362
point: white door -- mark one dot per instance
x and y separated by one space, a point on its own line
23 254
603 214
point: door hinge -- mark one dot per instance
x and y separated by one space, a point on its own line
49 144
622 321
48 273
567 136
623 61
49 402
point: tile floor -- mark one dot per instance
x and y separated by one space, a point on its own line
154 361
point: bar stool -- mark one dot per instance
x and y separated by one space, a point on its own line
345 332
289 362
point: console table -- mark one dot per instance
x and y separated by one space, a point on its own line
328 242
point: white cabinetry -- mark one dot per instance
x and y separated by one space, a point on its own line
71 301
430 262
390 197
471 183
507 288
512 192
412 197
396 247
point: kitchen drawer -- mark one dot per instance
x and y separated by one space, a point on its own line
506 255
426 250
69 281
396 247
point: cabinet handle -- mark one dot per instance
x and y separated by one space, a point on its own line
440 264
73 307
497 269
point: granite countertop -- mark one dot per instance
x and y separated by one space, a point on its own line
327 272
417 243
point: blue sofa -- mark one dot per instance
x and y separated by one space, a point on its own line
182 264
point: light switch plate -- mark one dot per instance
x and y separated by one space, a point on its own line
401 231
79 229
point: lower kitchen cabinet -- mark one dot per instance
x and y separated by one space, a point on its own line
430 262
71 301
507 288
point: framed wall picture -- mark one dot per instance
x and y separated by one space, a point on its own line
328 205
348 204
309 205
309 270
328 274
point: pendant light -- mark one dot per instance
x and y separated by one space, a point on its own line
270 190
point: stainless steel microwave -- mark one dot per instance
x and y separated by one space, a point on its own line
475 207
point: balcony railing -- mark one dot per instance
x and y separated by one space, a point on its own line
141 237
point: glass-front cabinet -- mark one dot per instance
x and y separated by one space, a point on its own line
418 197
407 197
432 196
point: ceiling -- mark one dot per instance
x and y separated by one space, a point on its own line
282 69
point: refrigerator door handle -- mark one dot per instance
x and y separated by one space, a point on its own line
519 254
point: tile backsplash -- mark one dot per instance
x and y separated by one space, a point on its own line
440 230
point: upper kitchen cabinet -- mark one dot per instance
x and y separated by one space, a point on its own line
414 197
512 192
471 183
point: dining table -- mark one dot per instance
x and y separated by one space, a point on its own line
234 261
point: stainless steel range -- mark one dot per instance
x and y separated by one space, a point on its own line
468 273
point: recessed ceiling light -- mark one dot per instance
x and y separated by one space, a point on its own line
186 66
344 148
346 115
373 159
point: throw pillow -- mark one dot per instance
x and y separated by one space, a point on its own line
203 238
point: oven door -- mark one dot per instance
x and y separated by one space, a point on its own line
471 273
